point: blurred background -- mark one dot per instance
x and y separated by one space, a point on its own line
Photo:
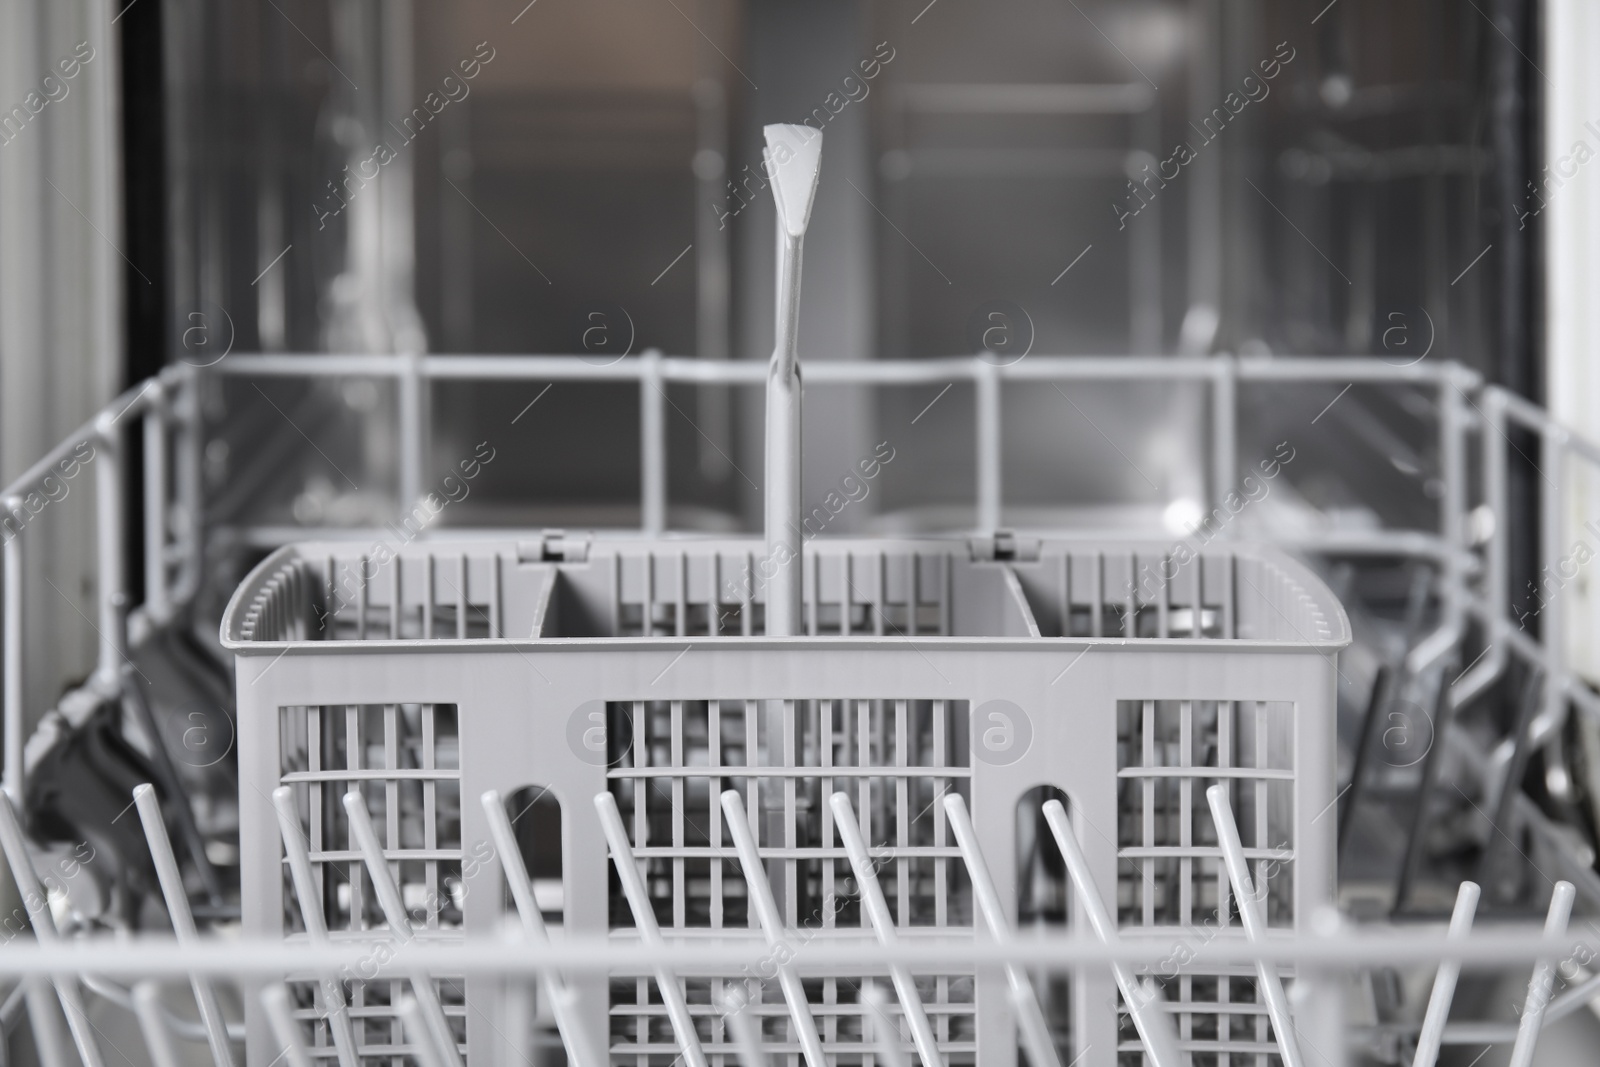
303 176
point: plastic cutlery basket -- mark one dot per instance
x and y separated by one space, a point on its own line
1122 679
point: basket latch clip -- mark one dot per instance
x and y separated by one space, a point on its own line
554 546
1004 545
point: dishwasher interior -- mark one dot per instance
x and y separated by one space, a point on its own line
1144 333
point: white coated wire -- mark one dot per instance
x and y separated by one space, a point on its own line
886 1035
394 910
562 999
1248 899
755 877
645 919
280 1017
1444 982
153 1024
1144 1002
1030 1018
298 854
171 878
1544 974
35 900
877 910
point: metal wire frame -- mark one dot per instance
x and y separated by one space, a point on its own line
1474 591
1331 946
172 510
652 372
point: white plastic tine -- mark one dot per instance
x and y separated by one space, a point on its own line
639 903
1444 981
43 922
388 894
1544 974
365 839
562 1000
886 1035
153 1024
772 926
1036 1039
1255 926
305 891
1144 1004
13 1005
78 1025
42 1018
280 1017
1024 999
418 1031
844 818
155 834
746 1039
505 843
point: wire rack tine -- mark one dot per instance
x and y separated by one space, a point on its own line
772 926
11 1009
35 900
1030 1018
280 1017
153 1024
42 1016
563 999
633 888
885 1033
1544 974
155 834
417 1030
305 889
844 818
746 1037
1255 926
1444 981
1155 1029
366 841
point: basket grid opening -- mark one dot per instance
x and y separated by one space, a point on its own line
1170 871
896 759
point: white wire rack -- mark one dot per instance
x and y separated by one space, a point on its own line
1473 419
1474 423
402 994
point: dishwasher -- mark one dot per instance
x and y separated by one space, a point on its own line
1242 770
